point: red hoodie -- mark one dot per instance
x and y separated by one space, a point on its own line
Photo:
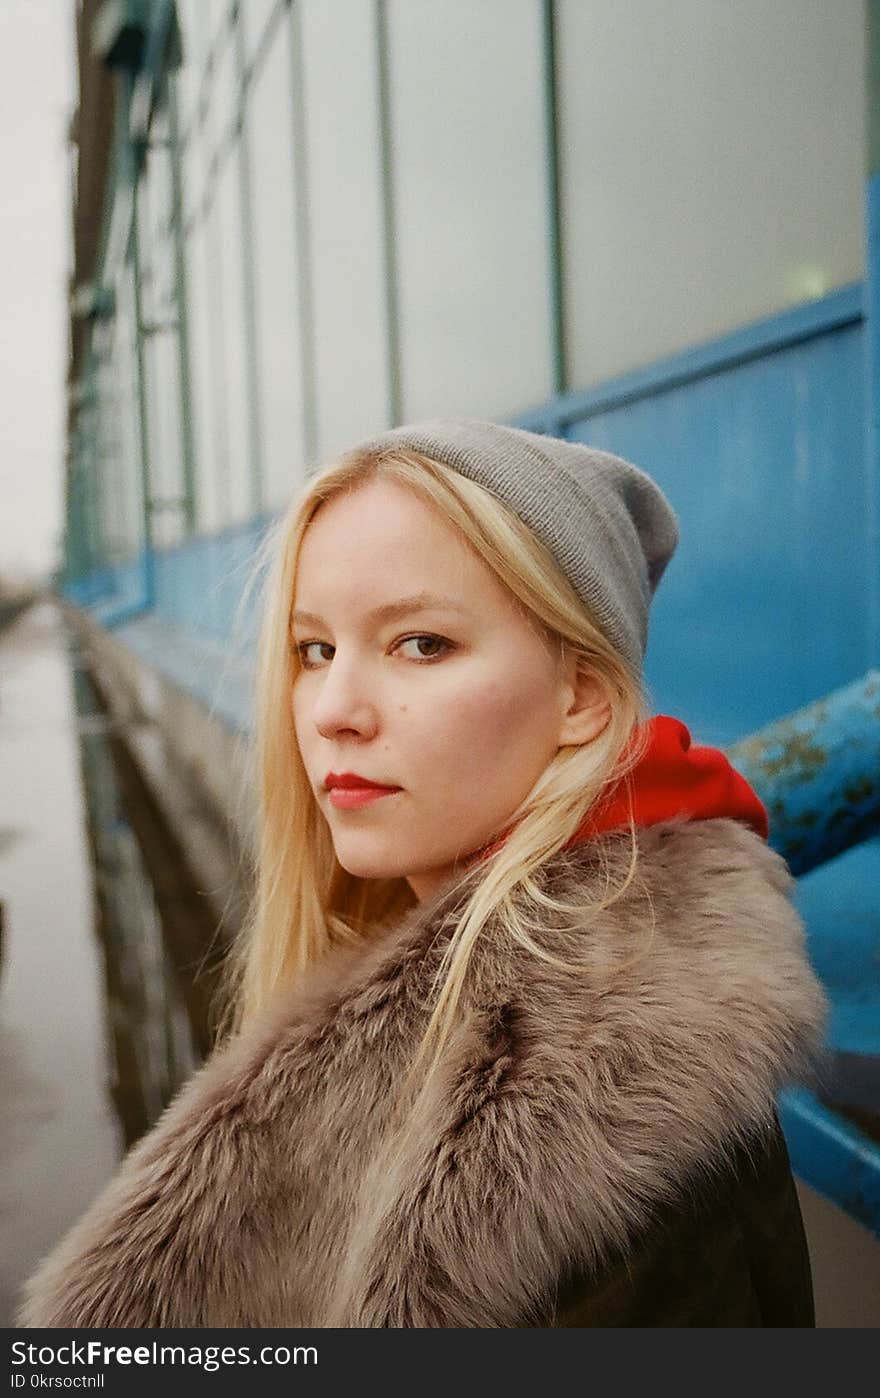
674 779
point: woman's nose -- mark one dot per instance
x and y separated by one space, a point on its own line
342 702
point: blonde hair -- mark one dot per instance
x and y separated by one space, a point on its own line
304 901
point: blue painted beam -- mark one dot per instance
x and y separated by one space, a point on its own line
838 310
818 773
832 1155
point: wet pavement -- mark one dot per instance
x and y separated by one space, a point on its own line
95 1032
60 1135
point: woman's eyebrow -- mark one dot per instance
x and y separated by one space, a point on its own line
391 611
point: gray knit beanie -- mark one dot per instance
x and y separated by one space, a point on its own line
607 524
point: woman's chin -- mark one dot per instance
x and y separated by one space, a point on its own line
363 864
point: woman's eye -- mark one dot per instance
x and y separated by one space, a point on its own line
304 647
427 647
432 641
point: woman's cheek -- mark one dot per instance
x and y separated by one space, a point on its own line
476 728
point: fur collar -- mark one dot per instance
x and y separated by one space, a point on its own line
275 1190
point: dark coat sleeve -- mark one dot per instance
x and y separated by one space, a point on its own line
733 1254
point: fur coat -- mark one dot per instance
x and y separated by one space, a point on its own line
574 1114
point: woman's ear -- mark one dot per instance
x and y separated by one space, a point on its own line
586 707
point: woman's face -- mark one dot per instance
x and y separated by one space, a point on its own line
454 700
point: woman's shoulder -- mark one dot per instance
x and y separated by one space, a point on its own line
684 866
667 1022
705 909
731 1251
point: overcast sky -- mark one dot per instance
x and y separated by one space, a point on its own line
37 85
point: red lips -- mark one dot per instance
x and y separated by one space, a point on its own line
350 781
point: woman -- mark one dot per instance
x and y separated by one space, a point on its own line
512 1021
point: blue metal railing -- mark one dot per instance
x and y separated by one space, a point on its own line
818 772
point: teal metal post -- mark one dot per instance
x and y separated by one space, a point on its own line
554 229
216 347
389 223
141 377
187 433
303 233
76 541
88 447
246 210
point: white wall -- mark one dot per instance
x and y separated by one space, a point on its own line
344 200
468 160
711 156
279 367
713 167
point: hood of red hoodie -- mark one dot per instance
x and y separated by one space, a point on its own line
672 779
